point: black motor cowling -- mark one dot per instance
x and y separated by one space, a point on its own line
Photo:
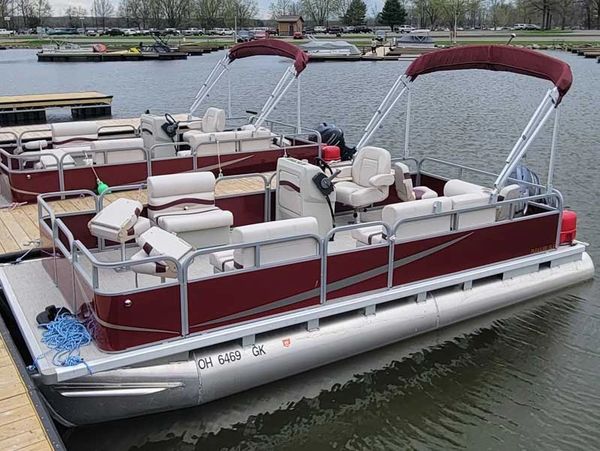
334 136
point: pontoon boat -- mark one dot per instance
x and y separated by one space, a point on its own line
190 297
78 154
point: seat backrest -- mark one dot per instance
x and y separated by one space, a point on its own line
277 252
474 218
509 192
423 207
213 120
118 150
206 143
177 193
456 187
370 161
73 133
119 215
297 195
403 182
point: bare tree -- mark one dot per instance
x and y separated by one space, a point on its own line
285 8
74 15
102 9
174 11
319 11
240 11
209 11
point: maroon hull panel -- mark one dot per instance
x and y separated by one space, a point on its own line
472 249
26 185
355 267
153 316
247 209
242 296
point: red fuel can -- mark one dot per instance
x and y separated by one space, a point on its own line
568 227
331 153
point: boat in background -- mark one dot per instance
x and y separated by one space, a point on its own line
323 49
192 297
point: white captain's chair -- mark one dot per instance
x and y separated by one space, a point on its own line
372 175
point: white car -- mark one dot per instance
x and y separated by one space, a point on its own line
319 29
131 32
5 32
405 29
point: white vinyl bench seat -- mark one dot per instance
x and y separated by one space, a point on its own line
68 134
119 221
288 250
157 242
125 150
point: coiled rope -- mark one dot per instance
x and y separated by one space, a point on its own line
66 335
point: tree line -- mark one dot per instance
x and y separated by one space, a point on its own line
226 13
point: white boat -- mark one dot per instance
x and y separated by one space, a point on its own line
416 39
193 297
321 48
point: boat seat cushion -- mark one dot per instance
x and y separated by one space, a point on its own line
222 261
118 150
48 161
211 143
369 235
74 133
509 192
477 217
456 187
404 185
213 120
199 219
38 144
276 252
419 228
158 242
119 221
350 193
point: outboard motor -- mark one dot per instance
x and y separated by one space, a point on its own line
334 136
523 174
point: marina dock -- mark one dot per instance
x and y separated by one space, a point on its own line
56 57
24 422
20 109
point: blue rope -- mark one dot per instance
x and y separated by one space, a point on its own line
66 335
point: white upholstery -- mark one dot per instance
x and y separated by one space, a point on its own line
153 134
158 242
368 235
509 192
252 139
119 221
474 218
456 187
68 134
222 261
297 195
211 143
184 204
371 177
277 252
38 144
118 150
213 120
47 161
404 185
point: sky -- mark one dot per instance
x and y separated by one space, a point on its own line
59 6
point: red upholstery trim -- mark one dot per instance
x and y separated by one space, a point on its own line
290 185
185 200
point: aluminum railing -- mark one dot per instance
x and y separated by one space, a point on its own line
78 249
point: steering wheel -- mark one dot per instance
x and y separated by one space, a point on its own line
323 165
170 119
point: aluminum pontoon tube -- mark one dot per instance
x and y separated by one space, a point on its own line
227 369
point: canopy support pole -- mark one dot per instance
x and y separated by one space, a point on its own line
212 79
383 110
229 93
550 179
282 87
523 144
407 127
299 107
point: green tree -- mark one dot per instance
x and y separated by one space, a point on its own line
393 13
355 14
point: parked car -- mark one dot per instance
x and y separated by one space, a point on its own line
335 30
320 29
112 32
261 34
131 32
404 29
91 32
362 29
298 35
245 36
532 26
5 32
349 29
193 32
171 32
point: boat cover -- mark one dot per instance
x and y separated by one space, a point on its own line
270 47
498 58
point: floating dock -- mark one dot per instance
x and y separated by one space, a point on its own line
24 421
22 109
199 49
56 57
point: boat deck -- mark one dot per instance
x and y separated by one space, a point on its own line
19 229
20 426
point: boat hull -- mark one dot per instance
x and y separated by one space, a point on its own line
211 373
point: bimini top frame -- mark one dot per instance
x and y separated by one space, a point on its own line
256 48
489 57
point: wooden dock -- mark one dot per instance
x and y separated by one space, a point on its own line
19 229
21 427
88 57
29 108
199 49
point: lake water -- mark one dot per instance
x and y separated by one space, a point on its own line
522 378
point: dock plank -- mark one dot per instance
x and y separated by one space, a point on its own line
20 426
